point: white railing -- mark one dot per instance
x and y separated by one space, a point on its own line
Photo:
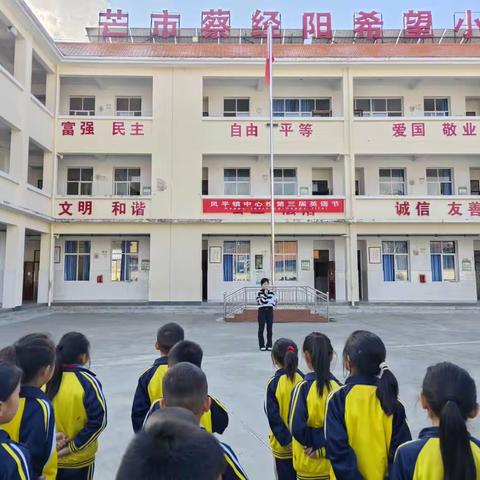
299 296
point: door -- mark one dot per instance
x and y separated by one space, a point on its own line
28 281
477 271
331 280
204 275
359 266
320 268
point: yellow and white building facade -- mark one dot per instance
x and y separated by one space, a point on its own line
139 172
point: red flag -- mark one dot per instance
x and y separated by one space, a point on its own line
270 56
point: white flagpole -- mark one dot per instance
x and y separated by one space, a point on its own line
272 184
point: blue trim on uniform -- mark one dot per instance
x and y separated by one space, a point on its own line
15 462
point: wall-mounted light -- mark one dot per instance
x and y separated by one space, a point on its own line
13 31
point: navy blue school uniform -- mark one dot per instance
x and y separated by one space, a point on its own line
14 460
234 469
422 459
149 389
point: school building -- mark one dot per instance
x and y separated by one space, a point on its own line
137 169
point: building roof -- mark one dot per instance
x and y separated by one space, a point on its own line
358 50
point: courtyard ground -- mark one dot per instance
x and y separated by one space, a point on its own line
122 347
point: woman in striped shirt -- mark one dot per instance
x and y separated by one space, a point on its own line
266 300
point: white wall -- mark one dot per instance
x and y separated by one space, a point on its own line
415 170
261 246
103 170
463 290
105 90
260 171
217 90
3 237
100 264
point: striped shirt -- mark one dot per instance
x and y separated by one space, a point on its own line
266 298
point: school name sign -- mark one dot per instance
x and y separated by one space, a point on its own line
217 24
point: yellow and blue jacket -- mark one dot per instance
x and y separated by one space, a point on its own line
422 460
234 470
213 421
148 390
81 414
306 422
361 438
277 404
34 427
14 460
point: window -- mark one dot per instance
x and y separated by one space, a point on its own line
392 181
301 107
236 107
285 261
474 187
77 261
395 261
236 181
436 107
236 261
79 181
129 107
82 106
439 181
320 187
285 181
443 257
125 261
378 107
127 181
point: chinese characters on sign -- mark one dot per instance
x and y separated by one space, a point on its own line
262 206
422 209
286 129
69 128
216 24
86 208
448 129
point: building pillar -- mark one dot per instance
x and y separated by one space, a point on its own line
13 272
352 266
340 269
44 271
160 258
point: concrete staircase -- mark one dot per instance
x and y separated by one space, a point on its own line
286 315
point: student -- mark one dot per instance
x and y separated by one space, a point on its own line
365 422
266 300
34 424
277 402
149 386
172 447
446 450
80 408
14 459
215 420
185 385
307 410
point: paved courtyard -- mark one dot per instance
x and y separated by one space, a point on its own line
122 347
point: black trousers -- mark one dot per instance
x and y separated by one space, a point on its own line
265 317
284 469
85 473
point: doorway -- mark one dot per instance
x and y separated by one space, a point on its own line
30 281
324 272
477 271
204 274
359 267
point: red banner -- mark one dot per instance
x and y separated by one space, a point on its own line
262 205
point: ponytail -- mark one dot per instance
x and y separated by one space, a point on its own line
320 350
69 350
450 393
285 353
366 352
30 353
10 378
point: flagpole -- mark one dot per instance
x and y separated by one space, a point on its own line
272 182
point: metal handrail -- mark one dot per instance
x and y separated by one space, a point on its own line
303 296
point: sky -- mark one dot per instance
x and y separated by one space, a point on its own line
67 18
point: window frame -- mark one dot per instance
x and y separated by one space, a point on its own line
77 113
378 114
284 182
396 255
129 112
235 113
442 256
79 255
116 273
300 113
127 182
236 182
392 181
435 112
237 258
439 183
80 182
280 274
